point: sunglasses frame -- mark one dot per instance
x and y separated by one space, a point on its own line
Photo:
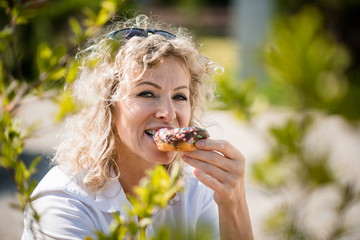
128 33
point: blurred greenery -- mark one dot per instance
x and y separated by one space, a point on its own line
312 74
340 20
36 57
286 221
312 65
289 161
151 195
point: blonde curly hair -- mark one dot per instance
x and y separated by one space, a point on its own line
107 67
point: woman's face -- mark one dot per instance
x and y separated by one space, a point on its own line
160 99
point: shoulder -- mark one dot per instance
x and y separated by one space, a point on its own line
61 189
58 180
63 207
62 194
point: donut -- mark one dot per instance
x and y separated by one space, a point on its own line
179 139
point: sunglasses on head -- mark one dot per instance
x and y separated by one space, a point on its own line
128 33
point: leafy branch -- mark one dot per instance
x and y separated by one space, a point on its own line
52 68
152 194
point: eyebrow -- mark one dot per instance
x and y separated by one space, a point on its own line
158 86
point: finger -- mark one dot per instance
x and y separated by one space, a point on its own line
219 174
211 182
207 180
213 158
224 147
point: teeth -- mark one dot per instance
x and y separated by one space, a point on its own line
150 132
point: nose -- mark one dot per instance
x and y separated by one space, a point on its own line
165 111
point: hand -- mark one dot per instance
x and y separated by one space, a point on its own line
221 167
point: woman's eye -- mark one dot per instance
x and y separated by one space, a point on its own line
180 97
146 94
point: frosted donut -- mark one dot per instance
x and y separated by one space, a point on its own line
179 139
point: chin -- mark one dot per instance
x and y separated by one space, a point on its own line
164 157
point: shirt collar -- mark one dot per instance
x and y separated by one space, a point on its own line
113 198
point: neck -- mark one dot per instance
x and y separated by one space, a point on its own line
131 172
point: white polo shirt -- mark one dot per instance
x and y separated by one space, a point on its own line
68 211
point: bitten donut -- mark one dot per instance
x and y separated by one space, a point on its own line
179 139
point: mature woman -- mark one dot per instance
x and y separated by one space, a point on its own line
131 82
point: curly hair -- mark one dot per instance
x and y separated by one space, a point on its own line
107 67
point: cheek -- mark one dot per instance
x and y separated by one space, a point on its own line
185 116
123 117
130 108
131 114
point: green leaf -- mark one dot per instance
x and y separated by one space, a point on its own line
34 163
164 234
59 52
133 228
20 174
6 162
316 171
307 61
269 173
277 219
66 105
145 222
90 17
57 74
44 54
32 185
48 59
76 28
72 71
108 8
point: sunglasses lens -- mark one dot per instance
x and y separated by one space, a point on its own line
165 34
128 33
135 33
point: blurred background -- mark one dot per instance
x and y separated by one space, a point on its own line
289 100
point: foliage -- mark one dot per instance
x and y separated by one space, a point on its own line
309 62
290 6
341 20
241 96
53 66
12 142
308 74
311 65
152 194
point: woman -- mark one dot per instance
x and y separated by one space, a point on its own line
131 82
